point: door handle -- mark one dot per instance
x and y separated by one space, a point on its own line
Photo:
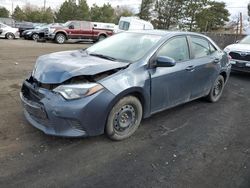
190 68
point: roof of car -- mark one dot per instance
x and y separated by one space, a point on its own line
163 32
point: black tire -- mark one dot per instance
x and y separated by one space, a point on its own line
124 118
101 37
35 37
60 38
216 90
10 36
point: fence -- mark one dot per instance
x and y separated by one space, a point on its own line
222 40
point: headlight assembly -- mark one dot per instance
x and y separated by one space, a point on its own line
76 91
227 50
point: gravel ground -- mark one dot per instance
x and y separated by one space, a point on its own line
194 145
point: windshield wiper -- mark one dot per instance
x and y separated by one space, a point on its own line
103 56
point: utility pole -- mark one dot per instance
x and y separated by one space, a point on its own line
12 8
44 5
241 24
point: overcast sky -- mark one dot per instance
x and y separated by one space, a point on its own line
234 6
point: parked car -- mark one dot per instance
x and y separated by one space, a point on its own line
240 54
23 26
133 23
8 32
113 84
77 30
39 31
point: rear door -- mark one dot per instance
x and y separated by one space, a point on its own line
86 30
171 86
206 65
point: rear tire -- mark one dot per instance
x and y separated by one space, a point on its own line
124 118
216 90
10 36
60 38
101 37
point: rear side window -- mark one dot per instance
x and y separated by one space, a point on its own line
200 47
176 48
86 25
124 25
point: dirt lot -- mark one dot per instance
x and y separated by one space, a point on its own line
194 145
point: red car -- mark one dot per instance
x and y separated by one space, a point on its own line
77 30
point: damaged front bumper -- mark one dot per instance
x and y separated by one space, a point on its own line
54 115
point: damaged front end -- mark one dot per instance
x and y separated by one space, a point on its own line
76 107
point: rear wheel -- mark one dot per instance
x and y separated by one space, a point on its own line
217 89
124 118
10 36
101 37
60 38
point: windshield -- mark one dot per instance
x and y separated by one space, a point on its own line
127 47
67 24
245 40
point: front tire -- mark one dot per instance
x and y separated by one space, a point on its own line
35 37
124 118
216 90
60 38
10 36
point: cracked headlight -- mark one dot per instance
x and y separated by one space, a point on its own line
76 91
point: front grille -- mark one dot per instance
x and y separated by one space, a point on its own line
31 93
243 56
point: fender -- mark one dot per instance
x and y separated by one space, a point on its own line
137 92
61 31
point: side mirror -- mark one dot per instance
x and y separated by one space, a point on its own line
164 61
71 27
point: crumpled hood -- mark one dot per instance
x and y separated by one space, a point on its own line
239 47
60 66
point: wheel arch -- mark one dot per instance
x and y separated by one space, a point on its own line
10 33
102 34
224 74
136 92
62 32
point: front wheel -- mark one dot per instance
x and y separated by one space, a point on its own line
60 38
124 118
35 37
216 90
10 36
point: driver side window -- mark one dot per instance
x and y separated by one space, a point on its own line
176 48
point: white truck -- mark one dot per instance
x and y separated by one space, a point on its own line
101 25
133 23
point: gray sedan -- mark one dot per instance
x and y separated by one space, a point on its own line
113 84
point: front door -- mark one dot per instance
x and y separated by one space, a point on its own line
171 86
74 30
